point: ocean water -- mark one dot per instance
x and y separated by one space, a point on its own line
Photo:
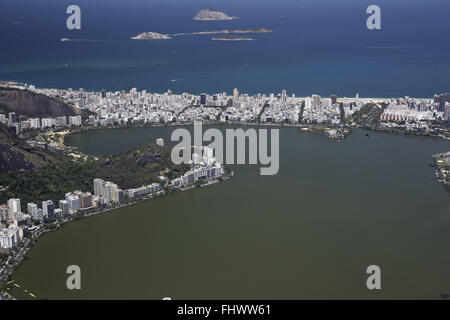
317 46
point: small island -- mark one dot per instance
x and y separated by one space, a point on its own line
151 36
232 38
252 30
225 31
208 14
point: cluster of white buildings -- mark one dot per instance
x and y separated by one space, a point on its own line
13 120
14 221
203 165
106 192
282 109
142 107
10 235
72 202
321 110
243 108
48 210
120 107
414 112
144 190
201 112
12 224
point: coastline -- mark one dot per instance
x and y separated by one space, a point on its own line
29 244
239 123
375 99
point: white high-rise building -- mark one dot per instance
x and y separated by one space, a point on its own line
32 208
4 212
111 192
48 208
47 122
11 236
14 206
73 202
236 94
283 96
108 190
308 103
35 123
64 206
75 120
7 240
39 215
98 187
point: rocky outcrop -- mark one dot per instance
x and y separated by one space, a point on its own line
31 104
211 14
151 36
17 156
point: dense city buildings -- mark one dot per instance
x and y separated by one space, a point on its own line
135 107
203 166
106 192
414 113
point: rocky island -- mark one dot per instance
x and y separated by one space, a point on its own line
232 38
151 36
252 30
211 14
225 31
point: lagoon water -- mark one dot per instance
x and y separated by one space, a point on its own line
309 232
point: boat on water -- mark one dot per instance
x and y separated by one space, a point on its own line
65 39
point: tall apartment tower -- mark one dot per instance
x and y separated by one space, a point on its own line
235 94
98 187
48 209
14 206
442 101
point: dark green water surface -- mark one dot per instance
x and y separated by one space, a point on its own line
309 232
